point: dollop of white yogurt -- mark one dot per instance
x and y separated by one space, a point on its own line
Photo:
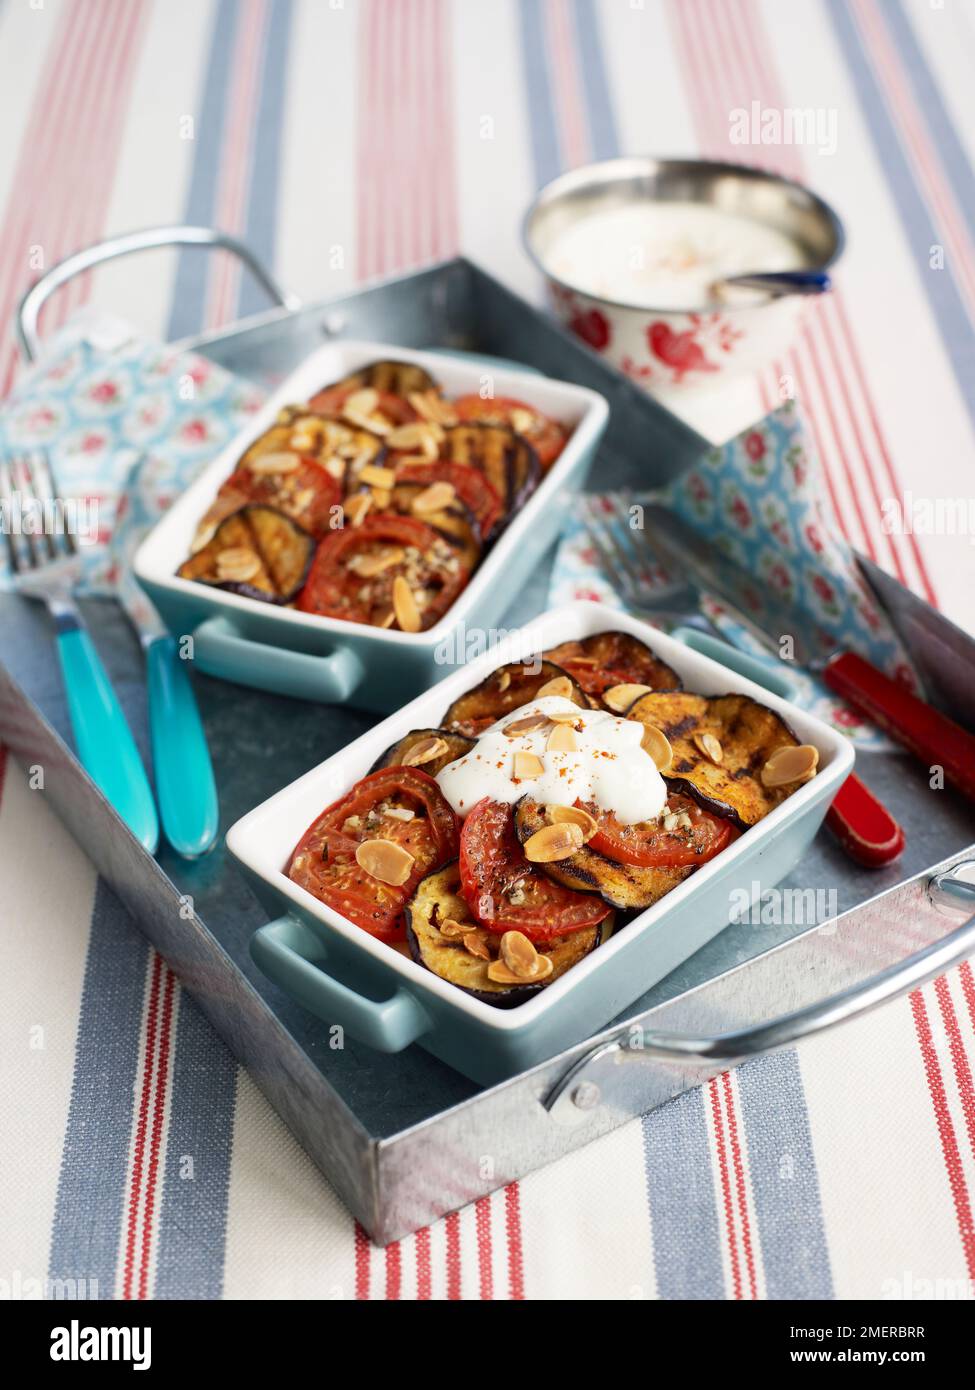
608 765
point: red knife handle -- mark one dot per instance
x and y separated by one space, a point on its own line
864 826
930 736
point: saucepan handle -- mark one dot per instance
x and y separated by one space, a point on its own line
220 650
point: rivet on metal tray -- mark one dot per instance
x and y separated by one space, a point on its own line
333 325
586 1095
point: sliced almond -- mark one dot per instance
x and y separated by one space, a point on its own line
368 566
238 564
433 498
374 423
562 740
274 463
404 606
527 766
362 402
381 496
565 716
476 943
559 685
655 743
432 406
499 973
504 680
530 724
335 466
402 813
522 421
553 842
425 751
419 434
621 697
356 506
452 929
374 476
384 860
790 765
709 746
573 815
519 954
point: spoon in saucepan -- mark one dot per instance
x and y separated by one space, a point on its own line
776 284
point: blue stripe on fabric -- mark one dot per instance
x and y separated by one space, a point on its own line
603 136
683 1207
193 1214
193 269
262 212
546 151
95 1158
784 1179
939 285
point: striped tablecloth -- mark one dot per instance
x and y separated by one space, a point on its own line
346 139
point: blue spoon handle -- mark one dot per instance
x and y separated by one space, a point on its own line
185 783
103 738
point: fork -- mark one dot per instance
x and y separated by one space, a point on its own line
50 572
654 592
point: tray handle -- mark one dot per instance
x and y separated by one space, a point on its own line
578 1094
220 650
292 955
150 238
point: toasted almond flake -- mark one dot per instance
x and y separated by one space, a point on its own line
431 406
388 620
237 564
655 743
669 822
553 842
416 435
562 740
373 423
504 680
404 606
363 401
709 746
278 462
565 717
476 943
382 497
368 566
620 697
530 724
573 815
790 765
335 466
450 928
519 954
204 534
527 766
402 813
433 498
425 751
522 421
559 685
376 476
356 506
384 860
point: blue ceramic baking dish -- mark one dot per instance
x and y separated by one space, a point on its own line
291 653
387 1001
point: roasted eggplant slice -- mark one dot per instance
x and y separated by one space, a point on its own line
396 378
508 462
257 552
437 900
507 688
720 745
430 757
626 886
613 658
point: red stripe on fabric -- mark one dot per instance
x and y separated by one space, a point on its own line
424 1275
813 418
362 1248
158 1126
512 1225
394 1270
449 242
482 1225
740 1190
726 1200
946 1130
138 1156
959 1057
452 1227
964 970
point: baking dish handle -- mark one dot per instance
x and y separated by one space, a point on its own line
582 1089
220 650
292 955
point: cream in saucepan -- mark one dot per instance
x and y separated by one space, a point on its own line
606 765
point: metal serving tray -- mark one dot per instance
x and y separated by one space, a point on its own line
367 1117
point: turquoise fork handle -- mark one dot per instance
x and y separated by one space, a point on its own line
185 785
753 668
104 740
292 955
220 650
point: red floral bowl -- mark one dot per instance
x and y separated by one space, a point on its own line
668 347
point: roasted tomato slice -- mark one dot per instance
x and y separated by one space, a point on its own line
507 893
394 410
546 436
613 658
309 494
471 487
325 863
697 837
354 573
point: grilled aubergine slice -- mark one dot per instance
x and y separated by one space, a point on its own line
428 749
257 552
613 658
626 886
437 900
508 462
389 376
720 745
504 690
